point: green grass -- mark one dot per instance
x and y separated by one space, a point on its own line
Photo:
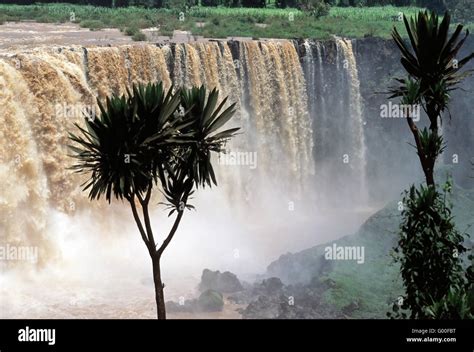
139 36
93 25
221 22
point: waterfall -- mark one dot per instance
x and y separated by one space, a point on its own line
298 104
281 127
335 106
356 121
44 90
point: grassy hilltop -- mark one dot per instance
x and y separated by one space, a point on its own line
219 22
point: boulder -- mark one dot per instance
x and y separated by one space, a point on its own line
210 301
225 282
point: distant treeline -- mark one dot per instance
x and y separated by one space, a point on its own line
433 4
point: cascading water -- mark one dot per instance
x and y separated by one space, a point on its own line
336 112
296 129
43 90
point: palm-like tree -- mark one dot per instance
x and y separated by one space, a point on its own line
428 231
149 138
430 60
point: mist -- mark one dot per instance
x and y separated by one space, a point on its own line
324 162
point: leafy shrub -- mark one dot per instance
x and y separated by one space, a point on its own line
131 31
316 8
253 3
139 36
210 2
286 3
462 10
211 301
455 305
439 6
93 25
429 251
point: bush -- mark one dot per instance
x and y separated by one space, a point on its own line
139 37
131 31
254 3
455 305
429 251
211 301
210 2
316 8
93 25
231 3
439 6
286 3
462 10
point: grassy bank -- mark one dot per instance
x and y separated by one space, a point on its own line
219 22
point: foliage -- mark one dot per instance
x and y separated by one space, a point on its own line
210 2
315 8
114 148
431 60
454 305
283 4
93 25
138 36
438 6
253 3
463 10
152 137
429 251
139 138
351 22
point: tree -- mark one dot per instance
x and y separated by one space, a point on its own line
254 3
286 3
439 6
429 251
433 68
316 8
430 247
153 138
210 2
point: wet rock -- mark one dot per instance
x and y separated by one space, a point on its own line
210 301
188 306
225 282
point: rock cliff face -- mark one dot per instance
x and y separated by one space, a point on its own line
365 290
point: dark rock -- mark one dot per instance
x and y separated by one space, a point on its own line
271 285
188 306
351 308
225 282
210 301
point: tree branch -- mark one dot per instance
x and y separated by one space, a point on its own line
146 216
168 239
131 200
425 163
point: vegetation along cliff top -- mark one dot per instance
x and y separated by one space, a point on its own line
154 20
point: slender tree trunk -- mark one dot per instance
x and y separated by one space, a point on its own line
429 178
159 288
155 254
426 163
